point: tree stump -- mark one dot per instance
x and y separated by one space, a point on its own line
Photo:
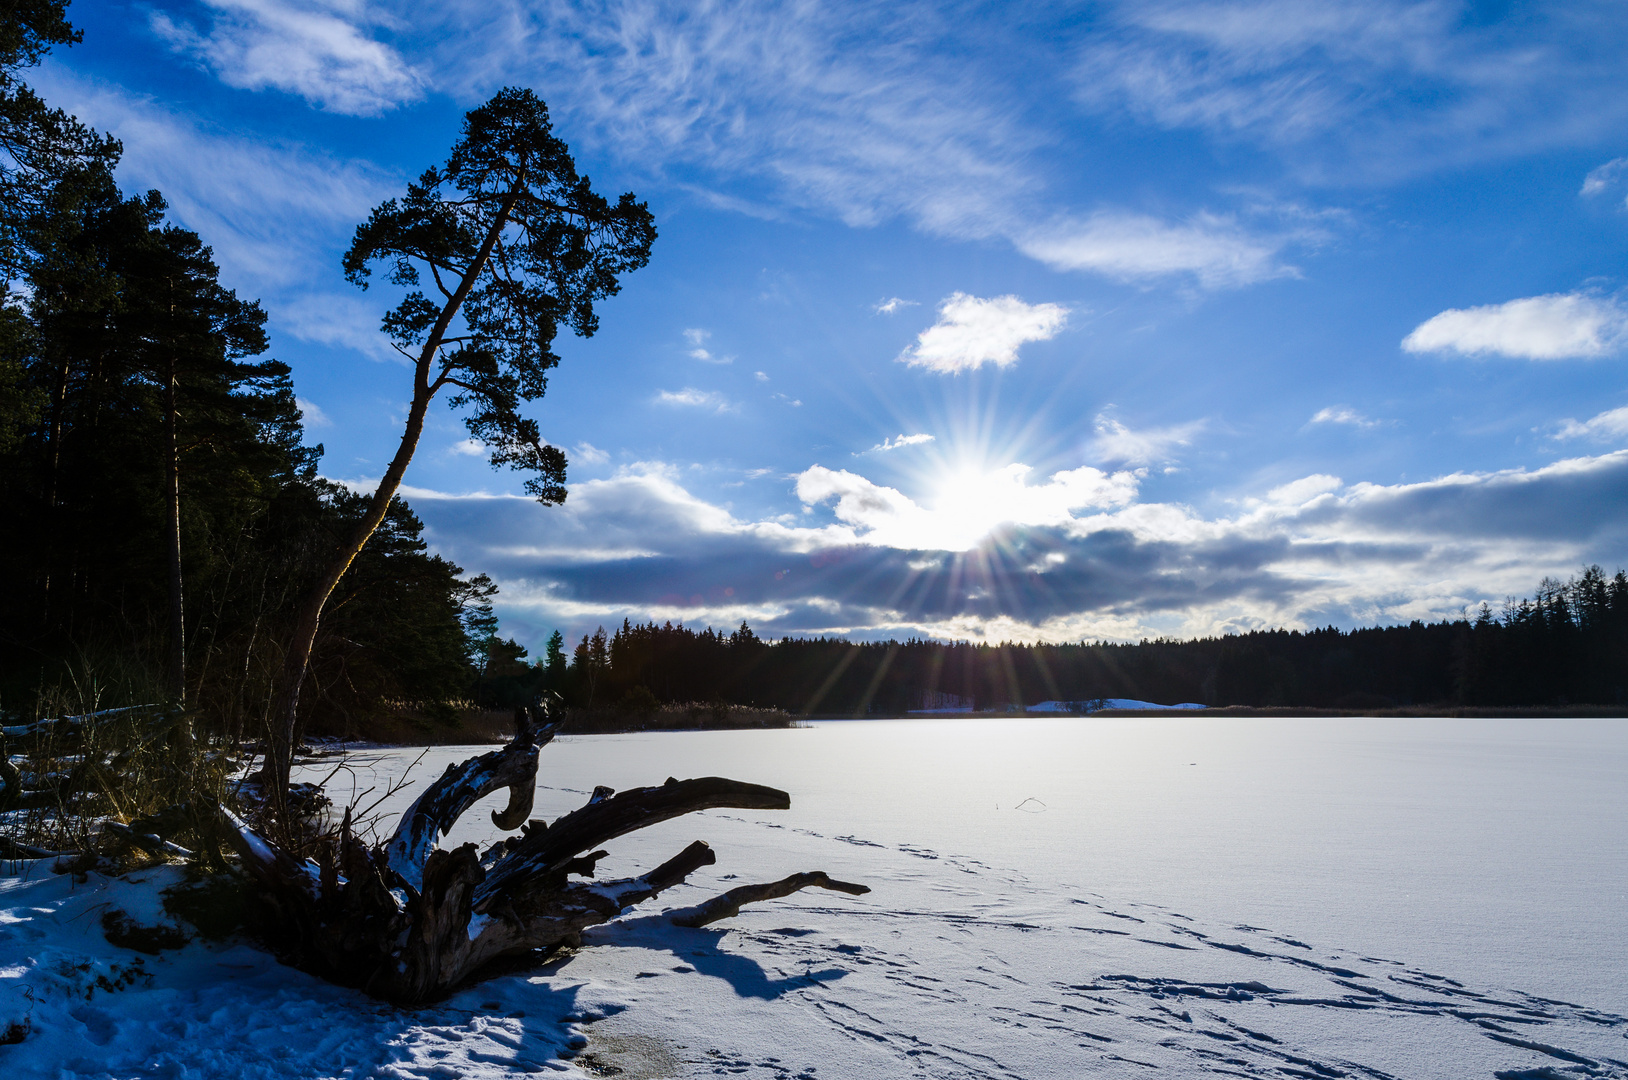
407 921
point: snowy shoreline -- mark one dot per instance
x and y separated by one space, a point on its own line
1265 899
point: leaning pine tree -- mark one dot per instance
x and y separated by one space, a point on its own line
515 243
496 248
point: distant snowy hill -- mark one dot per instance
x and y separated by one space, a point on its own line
1098 704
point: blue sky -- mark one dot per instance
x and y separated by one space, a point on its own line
976 321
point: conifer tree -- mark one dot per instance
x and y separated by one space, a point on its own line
497 248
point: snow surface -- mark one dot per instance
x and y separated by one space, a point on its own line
1052 898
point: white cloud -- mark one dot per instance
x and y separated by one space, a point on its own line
789 400
468 448
320 51
1343 414
311 415
968 506
989 555
1603 177
1558 326
589 454
1299 492
691 398
760 376
1114 442
1212 248
894 444
890 305
1607 426
697 338
971 332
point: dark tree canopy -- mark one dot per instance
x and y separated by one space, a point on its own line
515 243
38 144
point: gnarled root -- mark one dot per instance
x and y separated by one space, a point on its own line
408 922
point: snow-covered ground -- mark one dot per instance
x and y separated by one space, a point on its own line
1178 895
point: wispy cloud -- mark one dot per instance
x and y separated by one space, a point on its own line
311 414
1353 86
1343 414
323 52
698 339
1558 326
972 331
589 454
1302 491
691 398
894 444
1116 443
468 448
1214 249
1602 179
890 305
864 113
274 212
1608 426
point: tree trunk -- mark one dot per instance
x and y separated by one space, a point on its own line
409 922
285 708
172 536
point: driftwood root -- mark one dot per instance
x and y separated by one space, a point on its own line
408 922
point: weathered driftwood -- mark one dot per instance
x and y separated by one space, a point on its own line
730 903
407 921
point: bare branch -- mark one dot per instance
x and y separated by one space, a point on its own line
729 904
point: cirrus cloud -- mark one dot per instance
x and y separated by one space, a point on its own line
1114 442
1215 250
894 444
691 398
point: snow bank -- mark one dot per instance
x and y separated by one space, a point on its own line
92 1009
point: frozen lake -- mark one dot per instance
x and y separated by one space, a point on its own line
1487 853
1052 898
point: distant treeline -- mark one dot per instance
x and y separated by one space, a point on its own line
1566 645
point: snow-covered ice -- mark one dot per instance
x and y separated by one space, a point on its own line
1181 896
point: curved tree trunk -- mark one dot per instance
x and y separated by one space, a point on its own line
296 662
409 922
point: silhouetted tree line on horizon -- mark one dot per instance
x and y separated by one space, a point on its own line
1567 645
